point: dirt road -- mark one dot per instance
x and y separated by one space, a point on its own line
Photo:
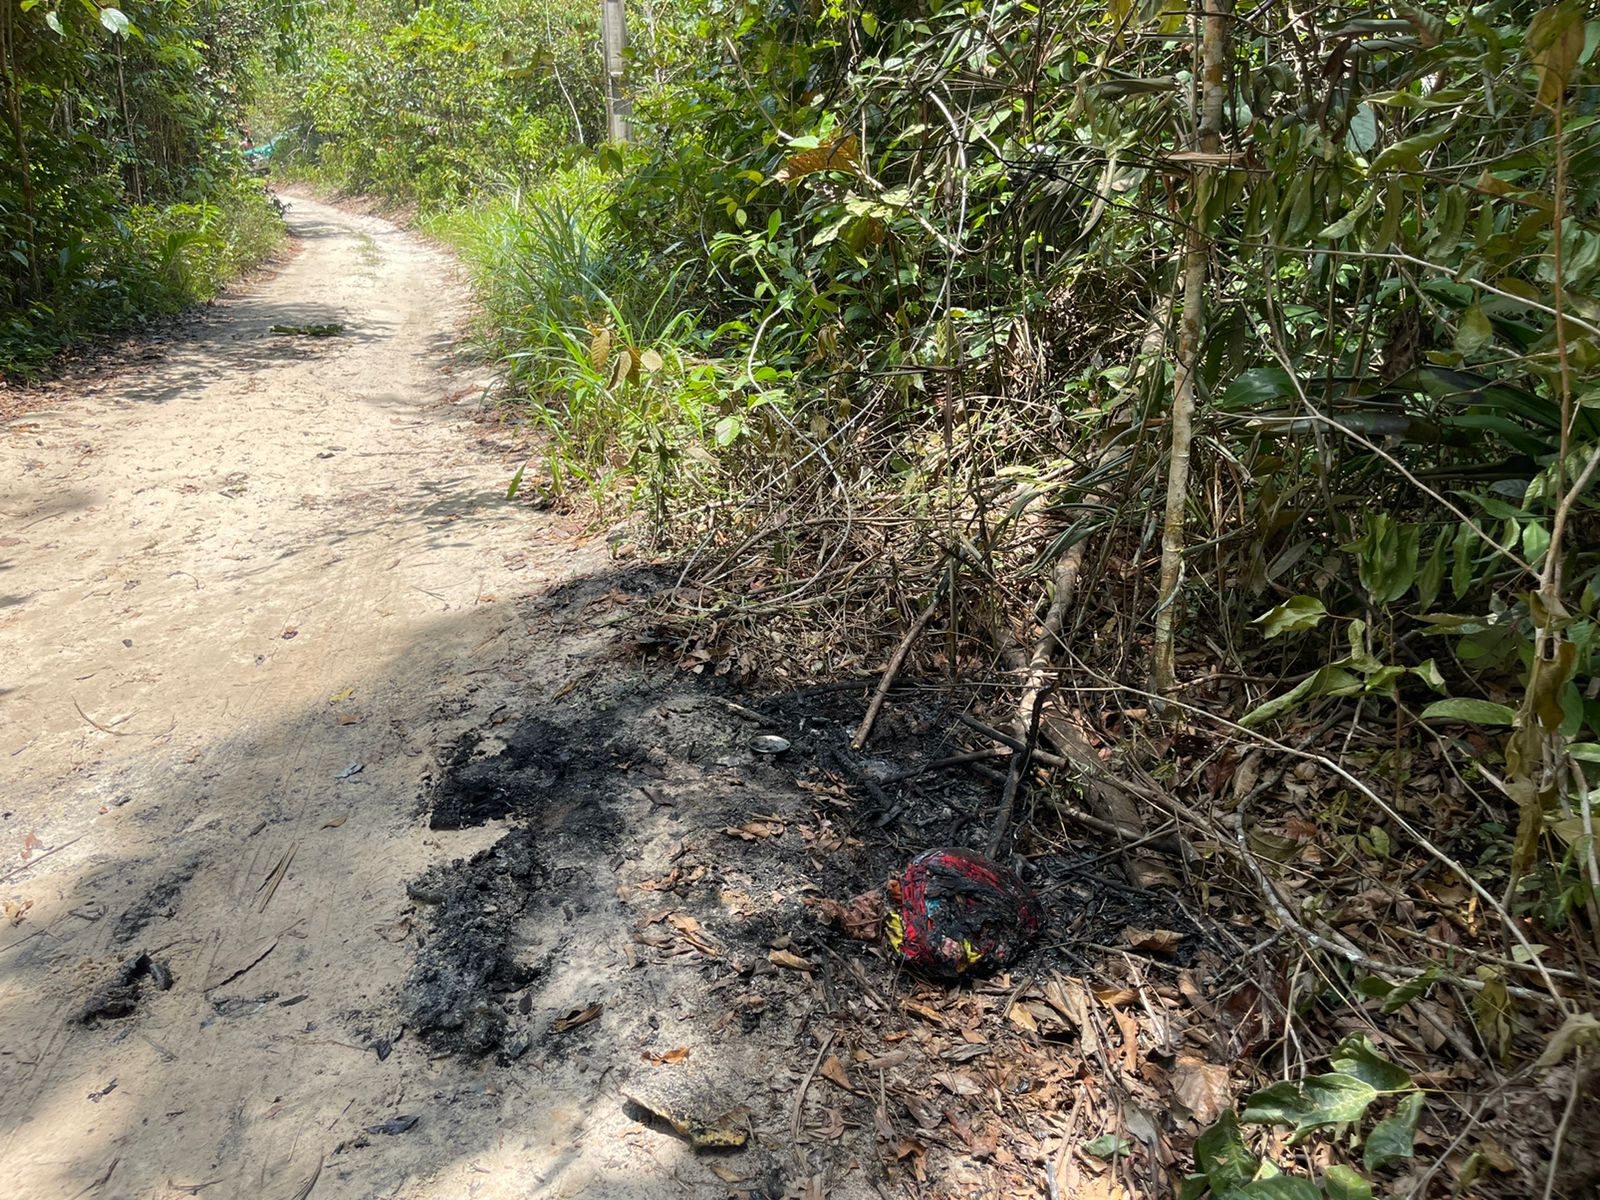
245 580
345 854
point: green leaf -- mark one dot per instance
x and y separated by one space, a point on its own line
1343 226
1535 541
1474 330
1407 154
1397 996
1464 555
728 430
1428 672
1362 134
1321 1100
1259 386
1107 1145
1463 708
1329 681
53 19
1336 1099
1220 1153
1391 1138
1386 557
1357 1056
1294 615
1383 681
1281 1104
1431 578
116 21
516 483
1342 1183
1361 659
1279 1187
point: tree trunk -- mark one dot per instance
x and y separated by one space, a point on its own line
1208 140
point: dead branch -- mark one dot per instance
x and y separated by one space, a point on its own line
897 660
1064 584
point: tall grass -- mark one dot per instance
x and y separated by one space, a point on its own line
597 344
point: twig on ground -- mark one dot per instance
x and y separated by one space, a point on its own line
800 1096
954 760
1561 1129
1019 765
37 859
1005 739
897 660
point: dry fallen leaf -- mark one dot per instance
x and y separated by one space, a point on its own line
1022 1017
1157 941
340 697
860 920
1113 997
783 958
1202 1088
670 1058
958 1083
1103 1188
689 929
336 822
926 1012
576 1018
1129 1028
727 1131
833 1071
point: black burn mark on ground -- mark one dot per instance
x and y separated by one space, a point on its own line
556 783
562 777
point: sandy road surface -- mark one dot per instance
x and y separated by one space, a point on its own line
227 575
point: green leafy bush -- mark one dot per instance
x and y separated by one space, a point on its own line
122 196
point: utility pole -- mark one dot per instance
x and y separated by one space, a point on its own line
614 34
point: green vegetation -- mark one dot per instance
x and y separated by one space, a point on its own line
1261 347
1237 366
435 104
122 193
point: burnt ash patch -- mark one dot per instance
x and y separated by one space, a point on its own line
469 990
541 765
456 992
159 902
650 779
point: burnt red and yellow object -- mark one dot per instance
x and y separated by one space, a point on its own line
958 913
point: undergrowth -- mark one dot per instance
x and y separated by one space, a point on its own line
595 342
886 319
153 260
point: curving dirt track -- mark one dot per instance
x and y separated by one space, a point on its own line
232 568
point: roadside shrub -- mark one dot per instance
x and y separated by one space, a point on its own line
149 261
594 337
